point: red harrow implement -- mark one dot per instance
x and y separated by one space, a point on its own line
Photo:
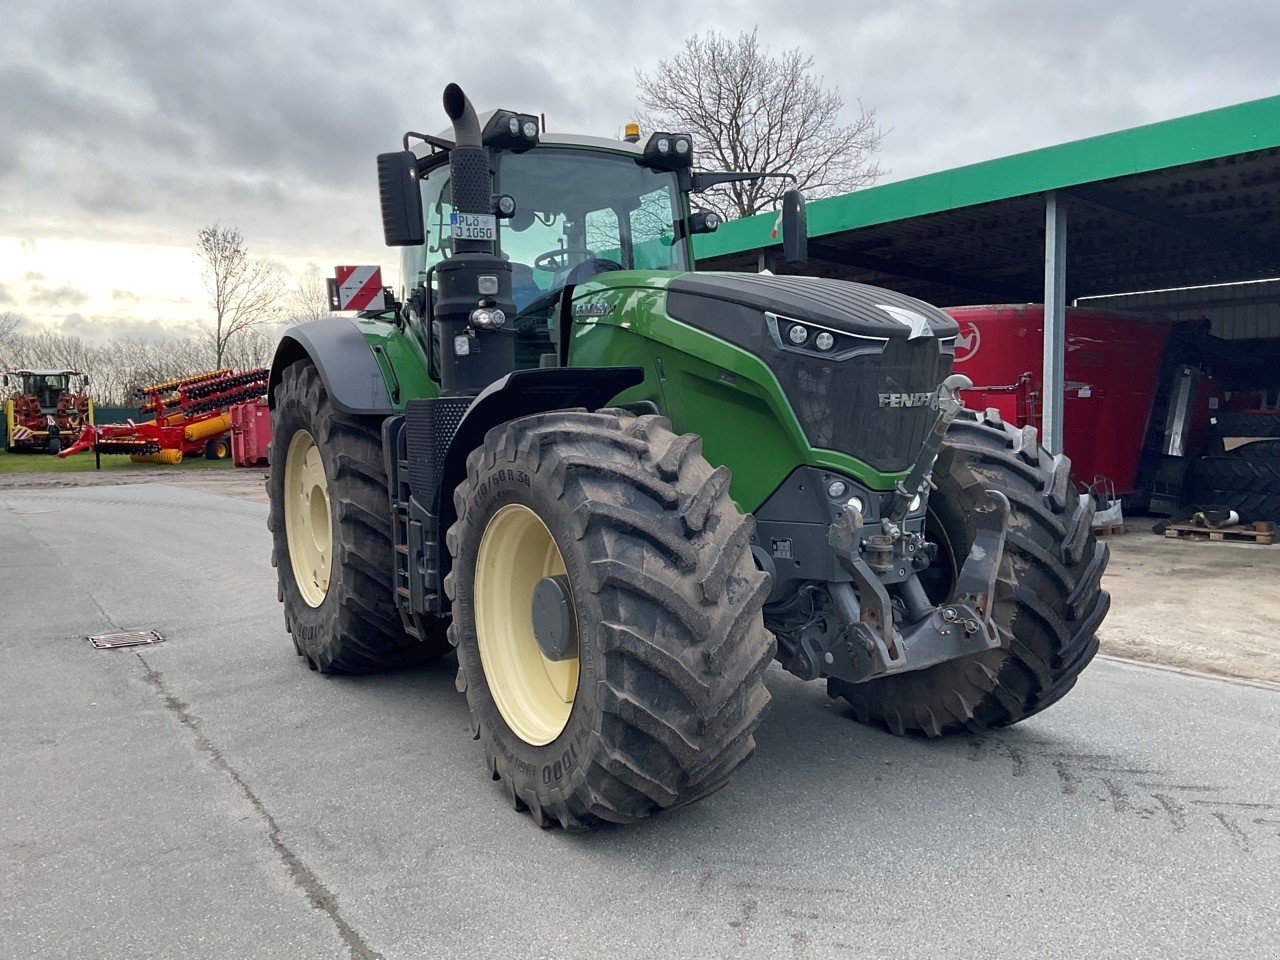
189 418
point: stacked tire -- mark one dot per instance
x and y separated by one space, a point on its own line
1246 479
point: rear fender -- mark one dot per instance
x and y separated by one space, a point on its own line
345 361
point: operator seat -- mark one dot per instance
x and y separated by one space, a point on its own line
523 288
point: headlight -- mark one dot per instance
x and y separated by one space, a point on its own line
668 151
488 318
797 334
916 503
855 503
824 341
837 489
507 130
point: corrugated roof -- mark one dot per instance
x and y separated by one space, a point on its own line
1214 134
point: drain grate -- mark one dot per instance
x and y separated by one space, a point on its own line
125 638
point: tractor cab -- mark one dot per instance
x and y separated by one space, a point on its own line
552 211
46 387
579 210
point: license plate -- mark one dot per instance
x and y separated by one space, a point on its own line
474 226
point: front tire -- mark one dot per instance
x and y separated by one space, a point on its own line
659 705
330 523
1048 599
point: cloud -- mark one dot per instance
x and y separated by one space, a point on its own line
6 298
103 327
141 122
64 295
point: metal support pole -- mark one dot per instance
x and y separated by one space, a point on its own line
1055 321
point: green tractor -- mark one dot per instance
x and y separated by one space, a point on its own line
619 488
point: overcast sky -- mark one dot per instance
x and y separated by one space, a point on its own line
125 126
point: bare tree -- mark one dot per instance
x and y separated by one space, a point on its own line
244 291
751 110
9 324
309 300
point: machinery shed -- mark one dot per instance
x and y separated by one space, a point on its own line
1131 218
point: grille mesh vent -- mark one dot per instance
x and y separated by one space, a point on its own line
429 426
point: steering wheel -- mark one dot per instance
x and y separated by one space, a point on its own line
558 259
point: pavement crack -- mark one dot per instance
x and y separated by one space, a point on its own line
317 894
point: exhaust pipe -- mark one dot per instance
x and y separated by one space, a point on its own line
477 346
468 161
466 126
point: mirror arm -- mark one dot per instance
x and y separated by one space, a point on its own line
435 143
703 181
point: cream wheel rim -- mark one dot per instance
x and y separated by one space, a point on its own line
308 523
534 695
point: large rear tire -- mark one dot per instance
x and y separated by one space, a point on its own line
330 522
660 703
1048 600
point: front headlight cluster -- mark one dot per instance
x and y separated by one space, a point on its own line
506 130
802 337
669 151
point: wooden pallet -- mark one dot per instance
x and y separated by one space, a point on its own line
1109 530
1261 532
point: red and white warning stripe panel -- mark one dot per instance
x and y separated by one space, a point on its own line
21 433
357 288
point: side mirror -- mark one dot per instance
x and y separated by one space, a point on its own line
401 197
795 228
84 381
704 221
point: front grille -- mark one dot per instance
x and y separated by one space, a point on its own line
839 404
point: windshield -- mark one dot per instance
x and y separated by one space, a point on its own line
46 388
572 206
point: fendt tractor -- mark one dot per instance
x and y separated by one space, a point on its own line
46 409
620 488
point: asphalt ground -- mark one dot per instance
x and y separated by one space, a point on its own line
211 797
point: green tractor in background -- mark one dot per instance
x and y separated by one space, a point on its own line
619 488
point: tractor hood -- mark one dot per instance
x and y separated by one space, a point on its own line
853 308
858 364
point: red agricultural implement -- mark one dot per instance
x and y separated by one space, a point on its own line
250 433
1113 364
189 417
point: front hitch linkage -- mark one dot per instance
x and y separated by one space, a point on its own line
871 644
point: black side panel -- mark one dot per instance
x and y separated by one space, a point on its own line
347 368
415 445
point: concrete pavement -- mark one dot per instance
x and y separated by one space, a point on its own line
211 797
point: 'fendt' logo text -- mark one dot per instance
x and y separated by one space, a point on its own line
906 399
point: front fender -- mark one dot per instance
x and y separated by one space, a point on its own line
518 394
